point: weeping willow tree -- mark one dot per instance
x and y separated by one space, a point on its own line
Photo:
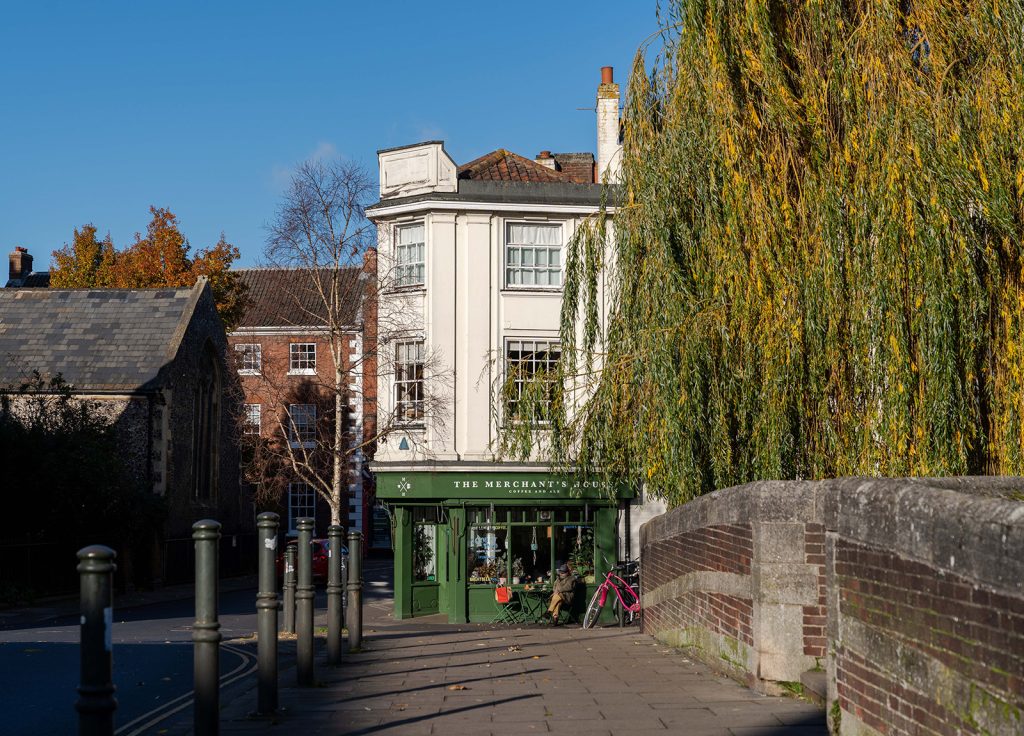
815 254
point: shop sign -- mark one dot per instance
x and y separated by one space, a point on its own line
494 485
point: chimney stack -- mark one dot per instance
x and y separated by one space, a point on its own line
544 158
609 144
20 265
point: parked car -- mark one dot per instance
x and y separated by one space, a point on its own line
321 549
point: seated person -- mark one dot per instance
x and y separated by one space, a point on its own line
562 588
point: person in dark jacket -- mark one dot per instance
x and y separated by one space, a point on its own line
561 592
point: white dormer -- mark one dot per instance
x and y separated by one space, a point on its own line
417 169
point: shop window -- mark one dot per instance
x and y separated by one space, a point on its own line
531 550
487 548
427 514
574 545
524 545
424 552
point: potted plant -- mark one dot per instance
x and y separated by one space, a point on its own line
422 553
517 570
582 555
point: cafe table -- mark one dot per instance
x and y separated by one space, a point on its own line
534 601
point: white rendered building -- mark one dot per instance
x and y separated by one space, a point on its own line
472 262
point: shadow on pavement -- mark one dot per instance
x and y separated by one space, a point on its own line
392 725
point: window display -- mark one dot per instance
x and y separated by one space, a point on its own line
523 546
487 546
424 552
532 546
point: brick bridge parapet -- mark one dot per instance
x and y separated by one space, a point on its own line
907 593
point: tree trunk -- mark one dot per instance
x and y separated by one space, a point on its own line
339 437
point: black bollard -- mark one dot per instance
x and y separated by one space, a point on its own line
289 588
206 631
335 594
96 702
266 615
355 591
304 604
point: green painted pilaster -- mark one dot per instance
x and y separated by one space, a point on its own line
456 580
443 555
403 562
604 540
607 549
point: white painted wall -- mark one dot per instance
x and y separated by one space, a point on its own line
465 312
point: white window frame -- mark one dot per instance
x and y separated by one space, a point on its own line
253 424
302 434
410 258
296 359
251 358
515 256
403 385
547 344
301 503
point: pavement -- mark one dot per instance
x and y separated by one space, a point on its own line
424 676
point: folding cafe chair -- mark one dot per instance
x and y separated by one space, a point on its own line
510 609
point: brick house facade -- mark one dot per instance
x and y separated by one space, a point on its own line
284 360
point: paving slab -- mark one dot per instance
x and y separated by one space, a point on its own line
425 676
446 684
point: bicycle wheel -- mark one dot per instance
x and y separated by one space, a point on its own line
593 609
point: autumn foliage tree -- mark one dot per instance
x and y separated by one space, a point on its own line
161 257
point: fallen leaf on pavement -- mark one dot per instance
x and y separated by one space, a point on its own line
457 687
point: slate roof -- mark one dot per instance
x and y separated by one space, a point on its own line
97 339
37 280
502 165
33 280
289 297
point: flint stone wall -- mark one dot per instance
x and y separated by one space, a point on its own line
909 593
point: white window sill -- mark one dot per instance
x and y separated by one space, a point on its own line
247 372
533 289
303 372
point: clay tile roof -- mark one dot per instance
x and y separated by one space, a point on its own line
289 297
502 165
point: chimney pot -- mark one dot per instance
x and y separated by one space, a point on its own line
607 75
544 154
21 249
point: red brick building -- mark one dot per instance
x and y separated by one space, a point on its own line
284 348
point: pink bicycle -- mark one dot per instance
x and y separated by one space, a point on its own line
628 604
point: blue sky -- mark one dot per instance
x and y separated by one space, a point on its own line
107 108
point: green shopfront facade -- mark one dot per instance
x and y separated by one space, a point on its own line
460 534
